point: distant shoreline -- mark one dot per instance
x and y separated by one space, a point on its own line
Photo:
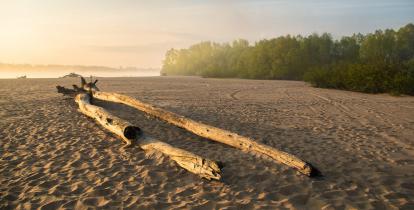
56 71
6 78
13 74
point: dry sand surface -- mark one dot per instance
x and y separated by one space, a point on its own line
52 156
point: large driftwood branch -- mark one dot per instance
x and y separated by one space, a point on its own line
213 133
131 134
207 131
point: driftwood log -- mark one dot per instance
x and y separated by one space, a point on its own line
131 134
198 128
86 87
213 133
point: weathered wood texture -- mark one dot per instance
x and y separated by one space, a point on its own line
131 134
213 133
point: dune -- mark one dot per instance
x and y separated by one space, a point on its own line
52 156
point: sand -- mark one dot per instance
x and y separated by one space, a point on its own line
52 156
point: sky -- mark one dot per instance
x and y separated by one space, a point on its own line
138 33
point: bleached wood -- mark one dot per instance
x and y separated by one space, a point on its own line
211 132
131 134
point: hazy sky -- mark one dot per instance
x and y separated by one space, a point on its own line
137 33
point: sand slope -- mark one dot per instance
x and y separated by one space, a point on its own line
52 156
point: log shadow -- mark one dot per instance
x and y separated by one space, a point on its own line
238 166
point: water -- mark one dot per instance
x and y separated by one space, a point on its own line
60 73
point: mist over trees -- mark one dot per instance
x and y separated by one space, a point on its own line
377 62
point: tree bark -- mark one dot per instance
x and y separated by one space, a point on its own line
213 133
132 134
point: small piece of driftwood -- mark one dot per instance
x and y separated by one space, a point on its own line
131 134
213 133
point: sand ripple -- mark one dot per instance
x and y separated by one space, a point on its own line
53 157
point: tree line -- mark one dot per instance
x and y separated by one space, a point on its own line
377 62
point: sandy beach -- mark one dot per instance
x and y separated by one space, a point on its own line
52 156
